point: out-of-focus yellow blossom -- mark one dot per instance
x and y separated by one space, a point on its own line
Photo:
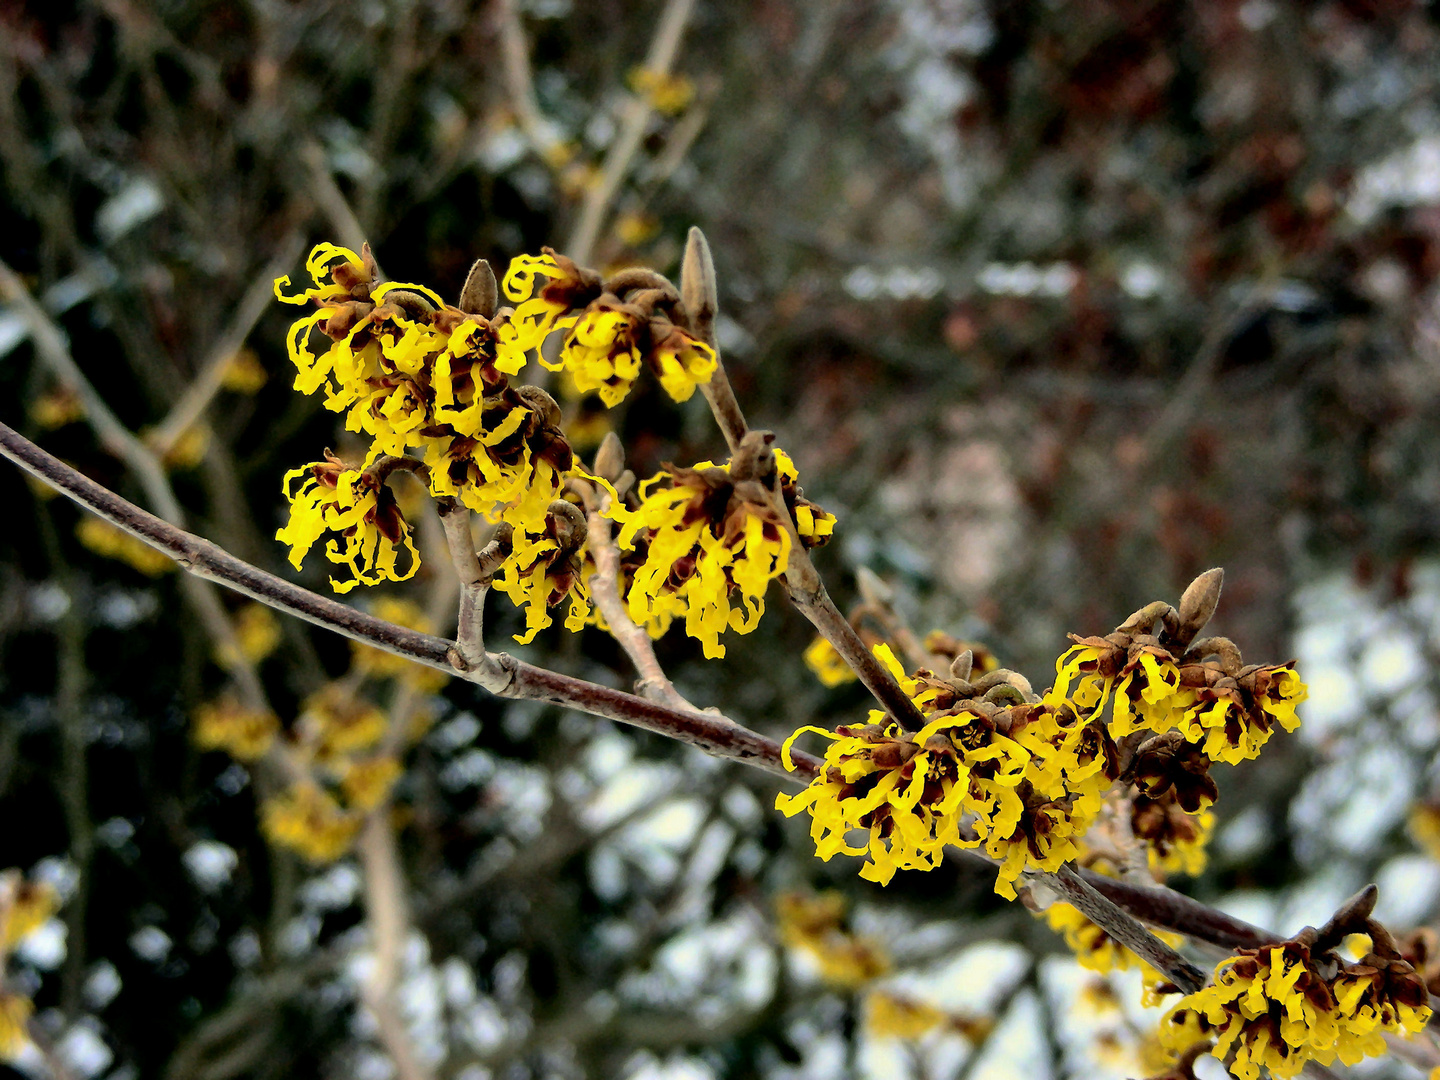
1097 997
666 92
1424 827
15 1011
56 409
367 784
1175 841
25 906
1274 1008
383 665
114 543
189 449
1094 949
827 664
244 374
257 633
338 721
370 532
307 820
1355 946
634 229
814 925
245 734
889 1016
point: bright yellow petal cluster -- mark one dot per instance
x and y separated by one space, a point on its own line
607 341
1228 718
245 734
1273 1008
602 354
307 820
533 581
694 563
369 531
336 722
1028 792
415 374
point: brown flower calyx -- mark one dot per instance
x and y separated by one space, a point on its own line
1169 765
1421 949
573 286
1162 823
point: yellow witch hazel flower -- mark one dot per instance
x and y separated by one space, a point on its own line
711 537
544 567
1027 778
357 507
416 376
1275 1008
613 328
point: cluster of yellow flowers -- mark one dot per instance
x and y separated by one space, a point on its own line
612 327
25 906
1278 1008
1025 780
341 756
429 384
1223 709
715 532
1026 776
413 374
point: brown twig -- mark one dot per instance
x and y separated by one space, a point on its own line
1122 927
506 677
207 382
116 438
633 122
605 593
520 81
388 919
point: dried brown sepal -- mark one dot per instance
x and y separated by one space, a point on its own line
1168 763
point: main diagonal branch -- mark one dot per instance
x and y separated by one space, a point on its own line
513 678
507 677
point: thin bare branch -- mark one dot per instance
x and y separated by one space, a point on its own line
605 593
1122 927
54 352
633 122
330 198
507 677
520 81
208 381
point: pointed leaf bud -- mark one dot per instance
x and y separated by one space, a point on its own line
698 291
610 458
481 293
1199 603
